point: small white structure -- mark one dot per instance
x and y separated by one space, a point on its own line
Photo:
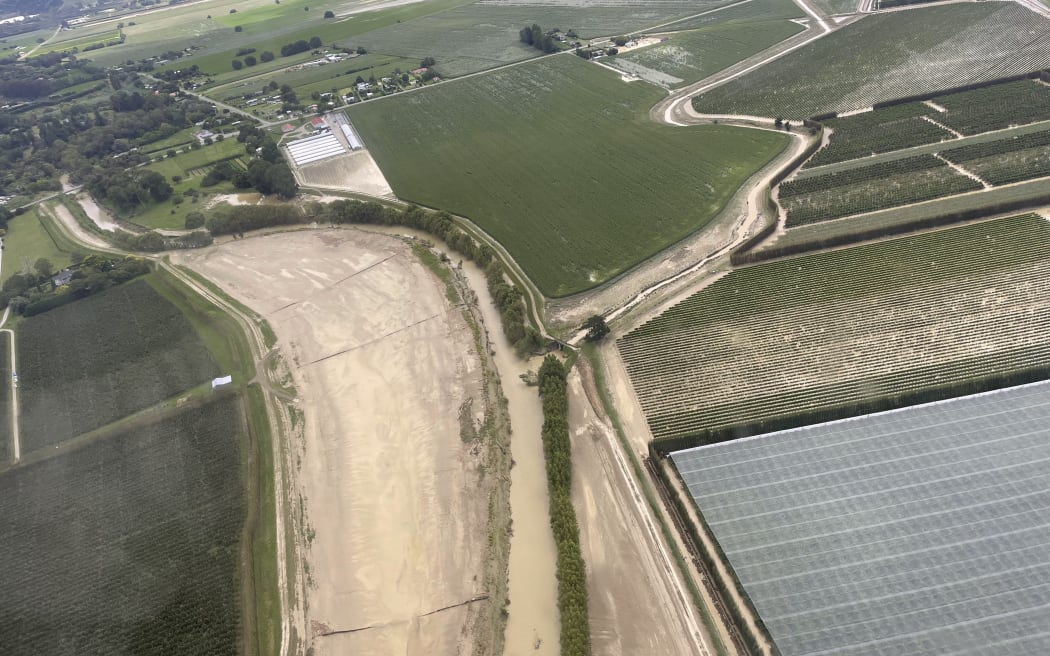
222 380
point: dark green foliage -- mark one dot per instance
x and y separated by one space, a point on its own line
129 545
92 275
242 218
557 451
534 36
89 363
880 131
596 327
995 107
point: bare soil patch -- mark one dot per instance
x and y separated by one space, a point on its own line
395 517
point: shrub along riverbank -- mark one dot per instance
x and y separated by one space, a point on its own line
572 576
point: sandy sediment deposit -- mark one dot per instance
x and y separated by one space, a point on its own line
395 507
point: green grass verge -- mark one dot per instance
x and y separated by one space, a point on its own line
559 162
28 239
264 532
217 329
6 434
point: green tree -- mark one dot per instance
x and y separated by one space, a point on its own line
266 56
596 327
237 64
315 42
43 267
329 14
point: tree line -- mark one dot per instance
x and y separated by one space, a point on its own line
35 292
557 452
534 36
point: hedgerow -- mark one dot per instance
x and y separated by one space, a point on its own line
557 451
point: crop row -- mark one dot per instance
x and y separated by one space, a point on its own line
1012 167
1000 146
875 194
91 362
836 328
879 131
920 51
861 174
995 107
129 545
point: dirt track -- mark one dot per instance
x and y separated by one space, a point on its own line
395 520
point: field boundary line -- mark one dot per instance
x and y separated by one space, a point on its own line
961 170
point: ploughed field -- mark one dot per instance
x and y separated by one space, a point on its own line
558 160
835 330
890 56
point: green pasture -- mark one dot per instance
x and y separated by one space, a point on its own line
559 161
215 54
79 43
26 241
187 161
734 12
888 56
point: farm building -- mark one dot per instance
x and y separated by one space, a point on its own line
318 123
316 148
922 530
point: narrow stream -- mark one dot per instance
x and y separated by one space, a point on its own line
532 627
96 213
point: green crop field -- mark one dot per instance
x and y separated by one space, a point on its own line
880 131
888 129
870 188
942 211
559 161
995 107
26 241
89 363
191 163
687 57
1007 160
736 12
890 56
485 34
129 544
842 327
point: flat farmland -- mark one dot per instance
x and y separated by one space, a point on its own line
484 34
91 362
128 545
891 56
729 36
839 328
558 160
